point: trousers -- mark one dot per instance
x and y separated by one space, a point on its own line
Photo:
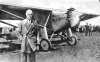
28 50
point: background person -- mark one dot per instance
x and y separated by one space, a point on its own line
86 29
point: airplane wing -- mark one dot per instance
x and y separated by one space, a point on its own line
11 12
17 12
87 16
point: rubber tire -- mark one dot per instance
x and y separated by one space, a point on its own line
73 41
44 45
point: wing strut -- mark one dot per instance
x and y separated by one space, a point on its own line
8 24
12 14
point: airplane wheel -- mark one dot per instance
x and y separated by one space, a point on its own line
72 41
45 45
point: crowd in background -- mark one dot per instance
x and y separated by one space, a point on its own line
86 29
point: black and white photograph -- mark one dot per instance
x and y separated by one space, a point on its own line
49 30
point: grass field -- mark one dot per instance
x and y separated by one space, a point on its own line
87 50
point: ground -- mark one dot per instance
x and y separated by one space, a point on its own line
87 50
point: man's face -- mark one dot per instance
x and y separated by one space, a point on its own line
29 16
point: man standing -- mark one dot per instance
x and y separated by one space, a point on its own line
90 28
86 29
28 47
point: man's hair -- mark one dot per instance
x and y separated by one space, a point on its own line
29 11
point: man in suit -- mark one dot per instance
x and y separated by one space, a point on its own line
28 46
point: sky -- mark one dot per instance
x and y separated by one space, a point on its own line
87 6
